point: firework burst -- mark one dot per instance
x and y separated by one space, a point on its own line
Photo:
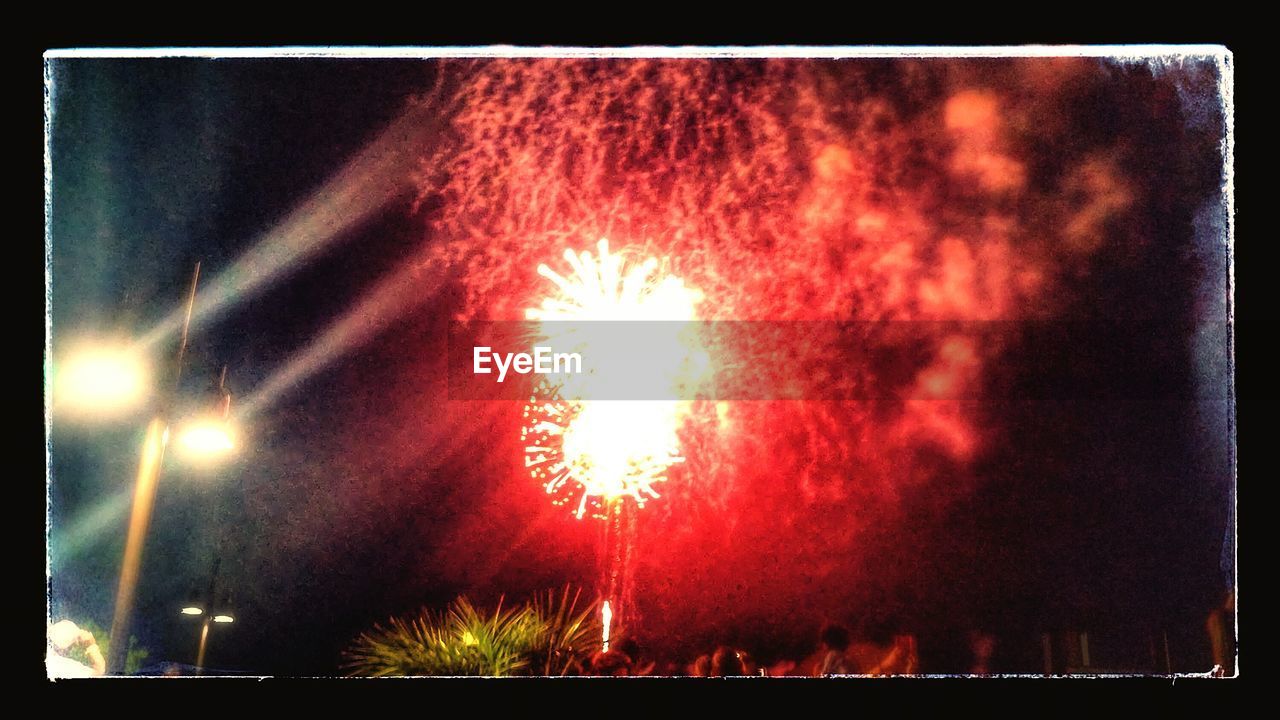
588 452
883 193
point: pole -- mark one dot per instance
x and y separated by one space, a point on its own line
204 642
211 605
144 495
186 327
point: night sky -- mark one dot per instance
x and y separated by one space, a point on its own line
1087 484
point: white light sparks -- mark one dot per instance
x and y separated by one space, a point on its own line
596 452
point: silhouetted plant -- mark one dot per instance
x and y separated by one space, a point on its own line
549 635
568 633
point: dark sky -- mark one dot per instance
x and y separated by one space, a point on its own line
355 496
161 164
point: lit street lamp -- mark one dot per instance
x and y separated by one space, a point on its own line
100 380
222 618
205 607
206 439
104 381
209 436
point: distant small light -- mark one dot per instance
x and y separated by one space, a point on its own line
223 618
192 611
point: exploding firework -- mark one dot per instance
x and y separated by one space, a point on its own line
598 452
919 195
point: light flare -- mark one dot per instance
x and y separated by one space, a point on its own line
101 381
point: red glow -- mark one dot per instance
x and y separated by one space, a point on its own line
783 190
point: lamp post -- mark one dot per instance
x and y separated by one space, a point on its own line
144 493
211 615
204 637
102 379
209 435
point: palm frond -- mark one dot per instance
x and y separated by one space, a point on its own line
569 632
551 635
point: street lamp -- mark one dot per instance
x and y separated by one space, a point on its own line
205 439
144 493
112 378
210 436
100 379
222 618
204 607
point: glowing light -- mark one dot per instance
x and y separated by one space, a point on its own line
605 289
101 381
192 610
790 190
606 620
598 452
223 619
207 439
